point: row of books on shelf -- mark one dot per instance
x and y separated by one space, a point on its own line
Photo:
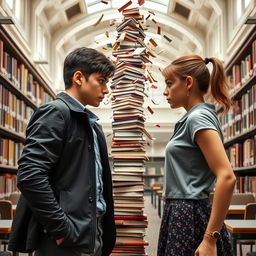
10 151
14 113
245 184
242 116
8 184
19 77
243 71
243 154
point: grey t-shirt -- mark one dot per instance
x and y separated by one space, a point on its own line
187 174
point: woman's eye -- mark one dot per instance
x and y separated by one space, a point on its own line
169 84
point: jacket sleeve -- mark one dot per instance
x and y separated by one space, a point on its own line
45 137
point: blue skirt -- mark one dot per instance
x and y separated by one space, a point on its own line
183 226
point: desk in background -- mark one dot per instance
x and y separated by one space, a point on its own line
241 229
236 211
5 230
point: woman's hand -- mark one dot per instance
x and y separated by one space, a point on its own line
207 247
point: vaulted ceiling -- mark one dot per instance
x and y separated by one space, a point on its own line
185 22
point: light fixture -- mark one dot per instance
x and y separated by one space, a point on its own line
6 20
40 61
250 20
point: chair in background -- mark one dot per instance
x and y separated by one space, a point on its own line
6 210
14 197
154 188
6 214
250 214
242 198
238 198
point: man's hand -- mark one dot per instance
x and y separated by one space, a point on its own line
59 241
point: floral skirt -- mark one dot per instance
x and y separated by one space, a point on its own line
183 226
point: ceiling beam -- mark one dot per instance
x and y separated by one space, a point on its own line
66 34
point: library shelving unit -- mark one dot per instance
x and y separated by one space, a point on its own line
239 124
154 172
22 90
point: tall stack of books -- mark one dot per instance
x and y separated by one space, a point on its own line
128 143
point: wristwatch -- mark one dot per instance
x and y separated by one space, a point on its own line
214 234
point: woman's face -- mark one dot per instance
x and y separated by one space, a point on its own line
176 91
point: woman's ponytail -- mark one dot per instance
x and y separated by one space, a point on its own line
218 83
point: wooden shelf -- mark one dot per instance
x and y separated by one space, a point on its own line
247 168
9 85
242 136
11 134
8 168
246 171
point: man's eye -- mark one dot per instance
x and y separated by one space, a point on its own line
169 84
101 81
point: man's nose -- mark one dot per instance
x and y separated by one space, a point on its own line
106 91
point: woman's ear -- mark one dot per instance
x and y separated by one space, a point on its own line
189 81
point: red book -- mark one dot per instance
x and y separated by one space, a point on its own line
131 243
126 217
125 6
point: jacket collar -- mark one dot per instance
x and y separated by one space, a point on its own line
70 102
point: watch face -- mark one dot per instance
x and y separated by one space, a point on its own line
216 234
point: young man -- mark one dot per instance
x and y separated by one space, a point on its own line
66 207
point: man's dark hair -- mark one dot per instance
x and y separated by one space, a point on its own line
88 61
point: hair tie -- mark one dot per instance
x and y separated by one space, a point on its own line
206 61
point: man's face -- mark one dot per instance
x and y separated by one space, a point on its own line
93 90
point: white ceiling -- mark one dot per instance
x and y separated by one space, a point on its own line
70 25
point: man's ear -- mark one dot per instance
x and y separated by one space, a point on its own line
78 78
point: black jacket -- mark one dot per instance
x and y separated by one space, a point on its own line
57 179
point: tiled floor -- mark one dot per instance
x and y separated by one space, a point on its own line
153 227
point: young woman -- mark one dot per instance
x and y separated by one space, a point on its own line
195 162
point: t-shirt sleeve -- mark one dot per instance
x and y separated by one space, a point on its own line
200 121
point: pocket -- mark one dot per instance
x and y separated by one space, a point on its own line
65 200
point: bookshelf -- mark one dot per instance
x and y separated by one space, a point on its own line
239 124
22 90
154 172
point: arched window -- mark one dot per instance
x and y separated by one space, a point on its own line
18 8
42 47
240 7
97 6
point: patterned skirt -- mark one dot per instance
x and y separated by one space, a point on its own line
183 226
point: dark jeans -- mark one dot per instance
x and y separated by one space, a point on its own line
49 247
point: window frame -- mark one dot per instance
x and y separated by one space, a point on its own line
22 21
